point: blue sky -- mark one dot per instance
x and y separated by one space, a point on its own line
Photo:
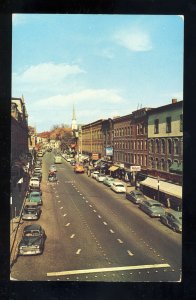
106 65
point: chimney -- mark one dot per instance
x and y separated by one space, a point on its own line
174 101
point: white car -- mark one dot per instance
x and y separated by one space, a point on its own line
94 174
118 187
34 182
100 177
68 159
38 169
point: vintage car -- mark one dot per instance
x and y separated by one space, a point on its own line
118 187
31 211
79 168
135 196
152 208
35 197
52 177
33 239
172 219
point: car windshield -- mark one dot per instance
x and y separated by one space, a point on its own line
35 195
119 185
29 210
32 233
156 205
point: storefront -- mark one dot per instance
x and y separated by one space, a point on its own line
167 193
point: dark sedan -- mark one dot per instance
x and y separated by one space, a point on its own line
33 239
172 219
52 178
135 196
152 208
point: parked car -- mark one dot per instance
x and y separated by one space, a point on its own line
35 197
100 177
33 239
68 158
34 182
79 168
40 153
152 208
94 174
52 177
38 169
118 187
34 189
108 180
172 219
31 211
38 175
135 196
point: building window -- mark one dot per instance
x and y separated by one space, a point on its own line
138 129
138 145
162 164
163 146
128 131
181 123
176 147
157 146
141 145
169 163
169 146
168 124
156 126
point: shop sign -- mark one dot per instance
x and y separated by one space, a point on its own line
135 168
95 156
109 151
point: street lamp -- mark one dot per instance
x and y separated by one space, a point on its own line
158 185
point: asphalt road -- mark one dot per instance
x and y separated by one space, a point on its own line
94 234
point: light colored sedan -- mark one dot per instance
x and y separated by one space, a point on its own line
100 177
108 180
118 187
94 174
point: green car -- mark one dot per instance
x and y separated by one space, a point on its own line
35 197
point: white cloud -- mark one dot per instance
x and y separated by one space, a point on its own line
47 72
134 39
87 98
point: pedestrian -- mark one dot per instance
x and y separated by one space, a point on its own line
168 203
20 182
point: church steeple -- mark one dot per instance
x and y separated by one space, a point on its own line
73 124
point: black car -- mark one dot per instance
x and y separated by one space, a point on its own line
52 177
135 196
33 239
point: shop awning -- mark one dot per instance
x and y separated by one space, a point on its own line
176 168
165 187
113 168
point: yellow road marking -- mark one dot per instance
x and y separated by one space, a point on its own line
125 268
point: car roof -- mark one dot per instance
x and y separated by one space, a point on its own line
31 203
177 214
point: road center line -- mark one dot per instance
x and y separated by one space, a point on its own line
121 242
130 253
125 268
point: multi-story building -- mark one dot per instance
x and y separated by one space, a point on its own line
121 140
92 139
165 141
19 138
19 129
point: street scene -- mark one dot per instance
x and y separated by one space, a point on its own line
96 167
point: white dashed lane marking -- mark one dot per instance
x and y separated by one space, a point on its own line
121 242
78 251
99 216
64 215
61 207
94 210
111 231
105 223
67 224
130 253
72 236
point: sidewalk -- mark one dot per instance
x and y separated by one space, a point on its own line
15 222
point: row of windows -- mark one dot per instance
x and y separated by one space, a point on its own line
136 145
168 125
165 146
163 165
136 159
141 129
